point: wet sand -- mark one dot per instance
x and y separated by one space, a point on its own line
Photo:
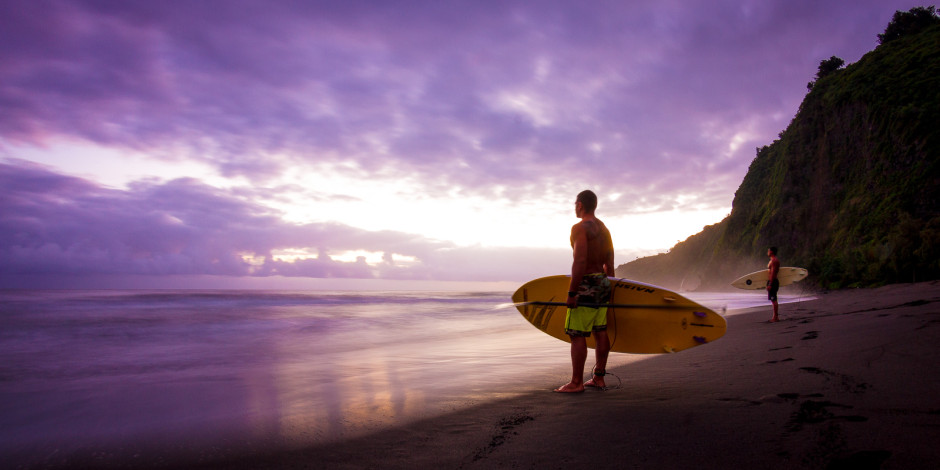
849 380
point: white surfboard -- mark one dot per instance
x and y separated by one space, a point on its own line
758 280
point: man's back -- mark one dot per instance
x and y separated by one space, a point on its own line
600 248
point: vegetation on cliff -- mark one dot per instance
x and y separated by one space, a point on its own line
849 190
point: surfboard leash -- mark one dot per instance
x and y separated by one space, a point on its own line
606 373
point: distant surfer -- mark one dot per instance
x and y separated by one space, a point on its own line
773 284
593 263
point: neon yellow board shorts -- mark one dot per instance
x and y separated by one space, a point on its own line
581 321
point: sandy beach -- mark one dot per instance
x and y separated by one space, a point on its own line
848 380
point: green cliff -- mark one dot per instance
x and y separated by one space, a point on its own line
848 191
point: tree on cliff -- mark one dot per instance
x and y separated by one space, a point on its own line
826 67
906 23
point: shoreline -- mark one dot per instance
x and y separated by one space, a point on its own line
844 380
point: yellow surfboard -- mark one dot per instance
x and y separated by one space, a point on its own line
641 318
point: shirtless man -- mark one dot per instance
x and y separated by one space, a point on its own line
773 284
593 263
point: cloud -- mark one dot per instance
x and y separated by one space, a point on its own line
635 96
659 102
51 224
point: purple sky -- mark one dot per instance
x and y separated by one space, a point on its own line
436 141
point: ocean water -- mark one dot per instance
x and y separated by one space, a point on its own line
126 371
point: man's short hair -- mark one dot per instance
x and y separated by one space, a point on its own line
588 200
773 250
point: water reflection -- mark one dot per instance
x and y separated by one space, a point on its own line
182 369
